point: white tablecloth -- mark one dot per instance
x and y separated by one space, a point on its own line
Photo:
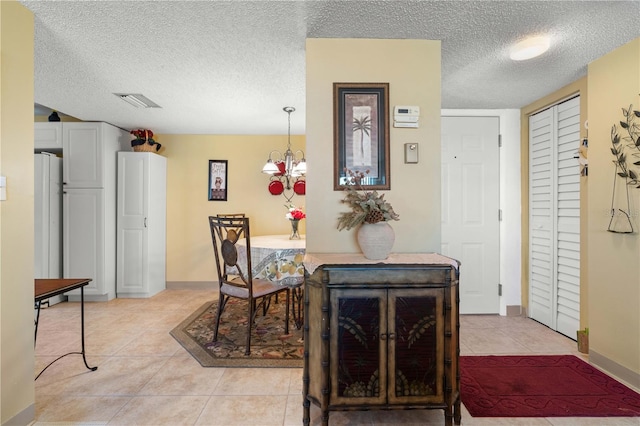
275 257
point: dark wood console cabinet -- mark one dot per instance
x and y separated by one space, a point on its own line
381 335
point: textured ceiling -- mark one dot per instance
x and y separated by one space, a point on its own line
228 67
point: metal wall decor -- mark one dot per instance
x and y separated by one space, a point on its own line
625 147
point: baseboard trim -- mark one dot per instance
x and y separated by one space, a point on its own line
611 367
23 418
193 285
514 310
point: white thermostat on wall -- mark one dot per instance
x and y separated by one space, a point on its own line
406 116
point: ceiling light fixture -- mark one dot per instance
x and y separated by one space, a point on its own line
287 172
530 48
137 100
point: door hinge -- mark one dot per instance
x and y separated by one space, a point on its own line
499 141
499 215
499 289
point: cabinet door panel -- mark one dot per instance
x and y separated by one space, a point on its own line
416 351
47 136
133 204
358 347
83 164
83 225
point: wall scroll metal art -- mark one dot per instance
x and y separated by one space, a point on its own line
625 147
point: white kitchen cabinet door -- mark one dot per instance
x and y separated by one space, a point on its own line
86 252
89 154
82 156
47 136
141 224
89 186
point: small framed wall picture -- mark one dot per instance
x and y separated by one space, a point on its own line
361 134
217 180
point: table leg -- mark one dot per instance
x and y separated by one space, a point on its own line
84 358
35 334
306 412
298 314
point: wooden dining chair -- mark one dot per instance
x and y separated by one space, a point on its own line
225 233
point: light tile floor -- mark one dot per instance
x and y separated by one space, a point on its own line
146 378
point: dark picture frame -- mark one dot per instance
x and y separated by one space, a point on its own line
361 134
217 180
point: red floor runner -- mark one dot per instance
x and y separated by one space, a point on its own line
541 386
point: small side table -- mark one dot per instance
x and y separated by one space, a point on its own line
49 287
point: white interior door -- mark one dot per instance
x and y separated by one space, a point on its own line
554 217
470 208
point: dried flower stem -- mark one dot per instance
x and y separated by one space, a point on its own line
366 206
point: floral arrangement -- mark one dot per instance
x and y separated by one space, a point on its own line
366 206
295 213
142 137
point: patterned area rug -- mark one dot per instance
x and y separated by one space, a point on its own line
542 386
270 346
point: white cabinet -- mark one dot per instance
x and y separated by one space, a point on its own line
47 136
89 154
141 224
86 252
89 206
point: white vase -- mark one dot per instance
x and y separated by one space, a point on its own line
376 240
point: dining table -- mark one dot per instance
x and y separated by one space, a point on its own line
280 259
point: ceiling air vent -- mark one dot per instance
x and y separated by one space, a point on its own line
137 100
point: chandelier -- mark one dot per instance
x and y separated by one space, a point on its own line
287 170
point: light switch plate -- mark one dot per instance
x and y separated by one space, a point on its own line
410 153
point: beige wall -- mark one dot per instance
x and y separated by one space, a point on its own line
189 251
415 192
610 267
17 394
412 69
579 87
614 266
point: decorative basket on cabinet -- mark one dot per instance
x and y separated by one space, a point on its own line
144 141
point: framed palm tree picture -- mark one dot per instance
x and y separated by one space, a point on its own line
361 134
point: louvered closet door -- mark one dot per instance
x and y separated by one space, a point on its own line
568 219
541 182
554 217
